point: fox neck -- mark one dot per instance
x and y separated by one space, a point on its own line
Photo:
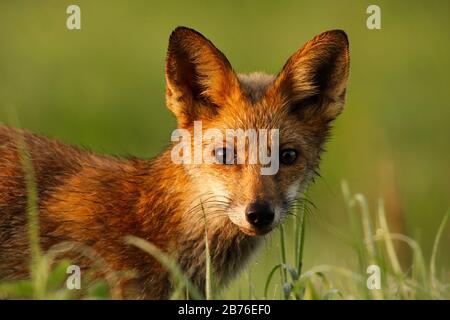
175 220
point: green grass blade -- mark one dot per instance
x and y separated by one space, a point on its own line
283 261
167 262
433 280
392 255
208 291
37 271
300 238
269 278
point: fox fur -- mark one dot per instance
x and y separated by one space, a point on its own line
98 200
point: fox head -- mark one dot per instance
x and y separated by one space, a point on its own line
299 103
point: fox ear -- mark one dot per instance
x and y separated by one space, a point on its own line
199 78
314 79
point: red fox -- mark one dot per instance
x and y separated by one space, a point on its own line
98 200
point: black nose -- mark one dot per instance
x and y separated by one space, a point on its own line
259 214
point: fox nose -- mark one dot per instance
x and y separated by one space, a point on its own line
259 214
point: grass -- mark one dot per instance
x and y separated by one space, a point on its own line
372 242
180 280
391 141
47 274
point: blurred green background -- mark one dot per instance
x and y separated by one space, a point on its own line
103 87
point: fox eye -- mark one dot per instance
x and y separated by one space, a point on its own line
288 156
224 155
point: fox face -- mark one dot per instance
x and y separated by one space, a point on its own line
298 105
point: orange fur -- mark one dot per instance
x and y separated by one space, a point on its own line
98 200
